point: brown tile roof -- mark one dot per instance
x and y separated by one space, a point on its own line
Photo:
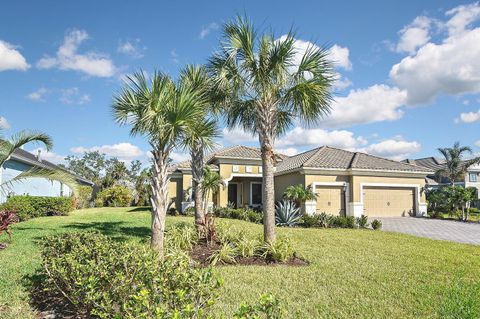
430 163
334 158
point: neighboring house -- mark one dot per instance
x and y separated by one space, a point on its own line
471 179
347 183
22 160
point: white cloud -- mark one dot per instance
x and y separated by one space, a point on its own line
174 56
206 30
73 96
289 151
414 35
124 151
450 67
477 143
4 125
178 157
67 57
341 83
361 106
131 48
11 58
37 95
396 149
469 117
48 155
461 17
238 136
303 138
340 56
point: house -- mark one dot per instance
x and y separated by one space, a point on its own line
471 178
21 161
347 183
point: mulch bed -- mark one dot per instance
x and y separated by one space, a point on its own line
202 252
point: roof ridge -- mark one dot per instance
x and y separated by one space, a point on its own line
387 159
354 160
320 149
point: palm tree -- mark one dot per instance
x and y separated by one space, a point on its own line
17 141
212 182
455 167
299 194
162 111
200 136
264 90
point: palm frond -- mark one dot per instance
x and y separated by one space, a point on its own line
19 140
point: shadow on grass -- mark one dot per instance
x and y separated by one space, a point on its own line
115 230
140 209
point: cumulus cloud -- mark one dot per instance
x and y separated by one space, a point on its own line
48 155
469 117
178 157
206 30
450 67
238 136
414 35
303 138
289 151
132 48
4 125
361 106
73 96
37 95
11 58
68 58
396 149
124 151
341 57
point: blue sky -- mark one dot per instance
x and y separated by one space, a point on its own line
409 71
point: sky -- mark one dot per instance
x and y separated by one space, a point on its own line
408 72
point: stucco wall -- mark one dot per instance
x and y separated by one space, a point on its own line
30 186
283 181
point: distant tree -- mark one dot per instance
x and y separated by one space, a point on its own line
90 166
212 182
455 165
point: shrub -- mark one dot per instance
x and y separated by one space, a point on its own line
7 219
343 222
280 250
109 279
83 197
362 221
247 247
325 220
115 196
189 211
376 224
225 255
27 207
309 221
266 307
181 236
248 215
287 214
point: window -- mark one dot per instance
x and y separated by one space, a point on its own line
473 177
256 194
235 168
248 169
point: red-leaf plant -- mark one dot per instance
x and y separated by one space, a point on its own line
7 218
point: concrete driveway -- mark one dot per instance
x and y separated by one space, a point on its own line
460 232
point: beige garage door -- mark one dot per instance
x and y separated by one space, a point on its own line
330 200
388 201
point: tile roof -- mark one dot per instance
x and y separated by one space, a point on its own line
334 158
430 163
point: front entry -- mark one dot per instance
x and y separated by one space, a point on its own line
232 194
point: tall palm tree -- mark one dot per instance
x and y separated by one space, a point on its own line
265 85
455 167
17 141
212 181
200 136
162 111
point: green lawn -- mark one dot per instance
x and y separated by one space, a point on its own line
353 273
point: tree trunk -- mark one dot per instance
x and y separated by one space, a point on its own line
197 176
159 200
268 166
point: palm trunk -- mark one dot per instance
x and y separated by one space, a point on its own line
268 165
197 176
159 200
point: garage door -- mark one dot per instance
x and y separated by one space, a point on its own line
388 202
330 200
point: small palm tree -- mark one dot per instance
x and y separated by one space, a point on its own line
17 141
212 181
299 194
162 111
455 167
200 135
264 90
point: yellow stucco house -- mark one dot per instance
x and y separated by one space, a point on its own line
347 183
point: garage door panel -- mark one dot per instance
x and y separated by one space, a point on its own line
388 201
330 200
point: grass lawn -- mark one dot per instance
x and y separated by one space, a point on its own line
353 273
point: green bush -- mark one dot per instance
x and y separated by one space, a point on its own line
281 250
343 222
83 197
309 221
27 207
115 196
108 279
267 307
248 215
287 214
190 211
362 221
376 224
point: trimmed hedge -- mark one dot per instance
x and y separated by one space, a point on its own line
27 207
115 196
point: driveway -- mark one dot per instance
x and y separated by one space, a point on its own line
460 232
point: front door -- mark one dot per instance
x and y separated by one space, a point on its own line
232 194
